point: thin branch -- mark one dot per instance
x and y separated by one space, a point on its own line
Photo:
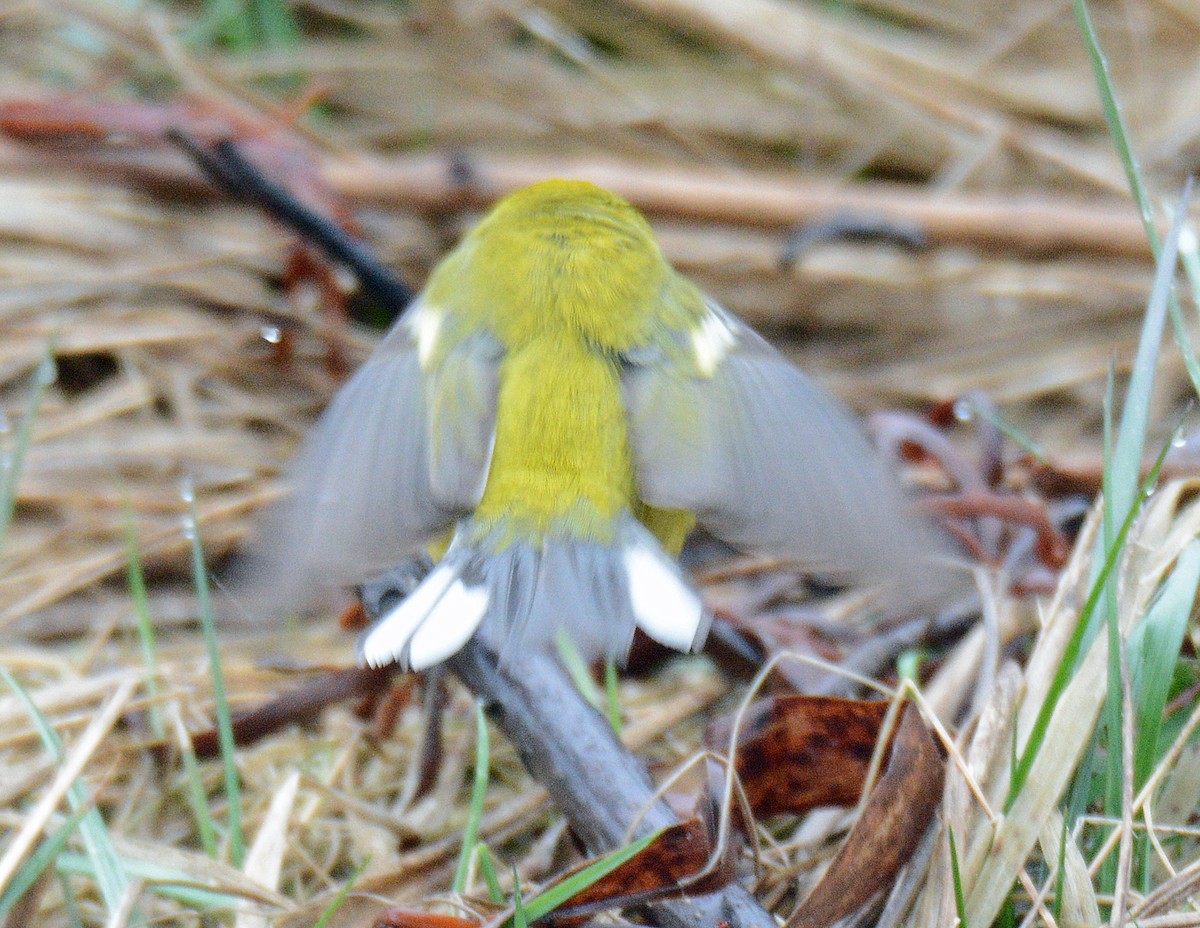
598 784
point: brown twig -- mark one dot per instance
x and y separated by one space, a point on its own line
1052 547
297 705
439 184
1045 224
597 783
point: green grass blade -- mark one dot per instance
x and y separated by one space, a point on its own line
42 858
1153 650
135 580
1080 797
1121 478
1008 914
241 26
960 899
162 881
276 27
542 905
197 797
1135 415
1110 725
1075 644
338 900
110 871
233 794
1115 119
478 794
1121 141
577 668
613 692
520 919
13 462
487 868
226 22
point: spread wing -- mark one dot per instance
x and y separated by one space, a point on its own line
399 455
724 426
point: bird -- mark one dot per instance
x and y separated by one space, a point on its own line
551 416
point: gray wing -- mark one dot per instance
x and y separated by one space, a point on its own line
400 454
768 461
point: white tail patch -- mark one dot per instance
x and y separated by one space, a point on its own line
451 623
664 607
429 625
520 595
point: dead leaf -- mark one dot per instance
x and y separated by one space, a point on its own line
678 854
796 753
891 825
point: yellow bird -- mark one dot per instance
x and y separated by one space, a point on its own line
557 410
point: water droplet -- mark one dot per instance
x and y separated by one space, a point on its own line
271 334
964 410
187 490
1179 441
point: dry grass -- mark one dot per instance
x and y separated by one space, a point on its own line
156 296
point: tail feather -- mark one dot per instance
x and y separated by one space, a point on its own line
520 595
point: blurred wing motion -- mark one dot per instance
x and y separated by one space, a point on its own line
730 430
375 480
